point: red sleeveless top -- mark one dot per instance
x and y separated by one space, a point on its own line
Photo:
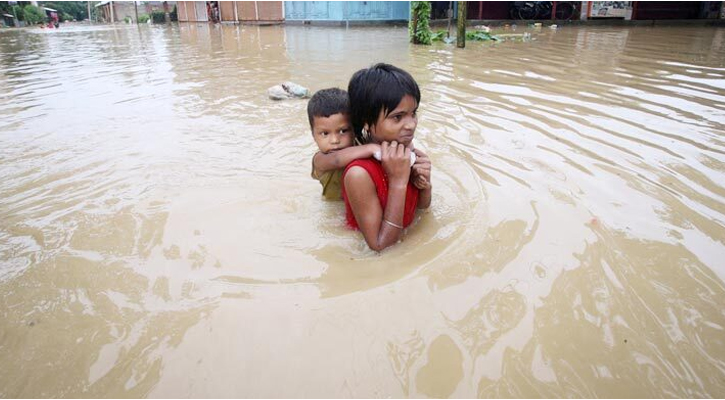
375 169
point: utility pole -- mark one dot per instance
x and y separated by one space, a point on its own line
461 42
135 9
89 11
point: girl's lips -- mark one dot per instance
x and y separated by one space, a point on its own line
406 138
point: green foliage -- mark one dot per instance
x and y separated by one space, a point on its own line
480 36
476 36
127 19
5 8
78 9
438 36
32 15
143 18
422 34
66 17
18 12
158 16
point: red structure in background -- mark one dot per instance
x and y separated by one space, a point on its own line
489 9
641 10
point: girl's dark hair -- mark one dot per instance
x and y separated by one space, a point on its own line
375 89
327 102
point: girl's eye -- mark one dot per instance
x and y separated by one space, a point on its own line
398 117
323 133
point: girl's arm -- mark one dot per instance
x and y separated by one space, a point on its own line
339 159
363 198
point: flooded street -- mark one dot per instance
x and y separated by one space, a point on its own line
160 234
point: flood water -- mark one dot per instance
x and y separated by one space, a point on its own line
160 234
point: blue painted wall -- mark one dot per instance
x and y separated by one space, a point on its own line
346 10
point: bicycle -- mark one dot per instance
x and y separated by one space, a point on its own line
542 10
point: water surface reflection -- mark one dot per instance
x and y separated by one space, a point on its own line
160 236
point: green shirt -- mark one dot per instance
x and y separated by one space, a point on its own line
331 182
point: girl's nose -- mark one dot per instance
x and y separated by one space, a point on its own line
411 123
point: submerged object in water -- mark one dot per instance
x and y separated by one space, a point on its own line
288 90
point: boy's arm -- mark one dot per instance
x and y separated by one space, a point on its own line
340 158
421 179
424 197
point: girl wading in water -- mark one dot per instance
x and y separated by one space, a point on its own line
381 196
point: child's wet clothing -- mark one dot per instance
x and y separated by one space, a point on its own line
331 182
375 169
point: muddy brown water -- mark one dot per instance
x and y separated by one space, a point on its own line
160 235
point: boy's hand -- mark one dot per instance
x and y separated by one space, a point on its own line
374 148
421 183
421 171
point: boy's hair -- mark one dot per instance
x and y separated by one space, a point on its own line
375 89
327 102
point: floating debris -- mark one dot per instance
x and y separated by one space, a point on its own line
288 90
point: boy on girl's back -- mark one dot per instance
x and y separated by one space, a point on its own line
328 112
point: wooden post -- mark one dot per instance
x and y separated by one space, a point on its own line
135 9
89 12
113 18
461 42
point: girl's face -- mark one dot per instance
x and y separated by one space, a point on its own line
399 124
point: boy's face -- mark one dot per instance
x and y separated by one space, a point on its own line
399 124
332 133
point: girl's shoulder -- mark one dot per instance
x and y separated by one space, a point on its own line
369 164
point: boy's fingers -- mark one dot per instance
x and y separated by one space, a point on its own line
420 153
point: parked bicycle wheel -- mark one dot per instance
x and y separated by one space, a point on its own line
543 9
527 11
564 10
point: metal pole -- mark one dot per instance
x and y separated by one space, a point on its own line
461 42
89 12
113 19
135 9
